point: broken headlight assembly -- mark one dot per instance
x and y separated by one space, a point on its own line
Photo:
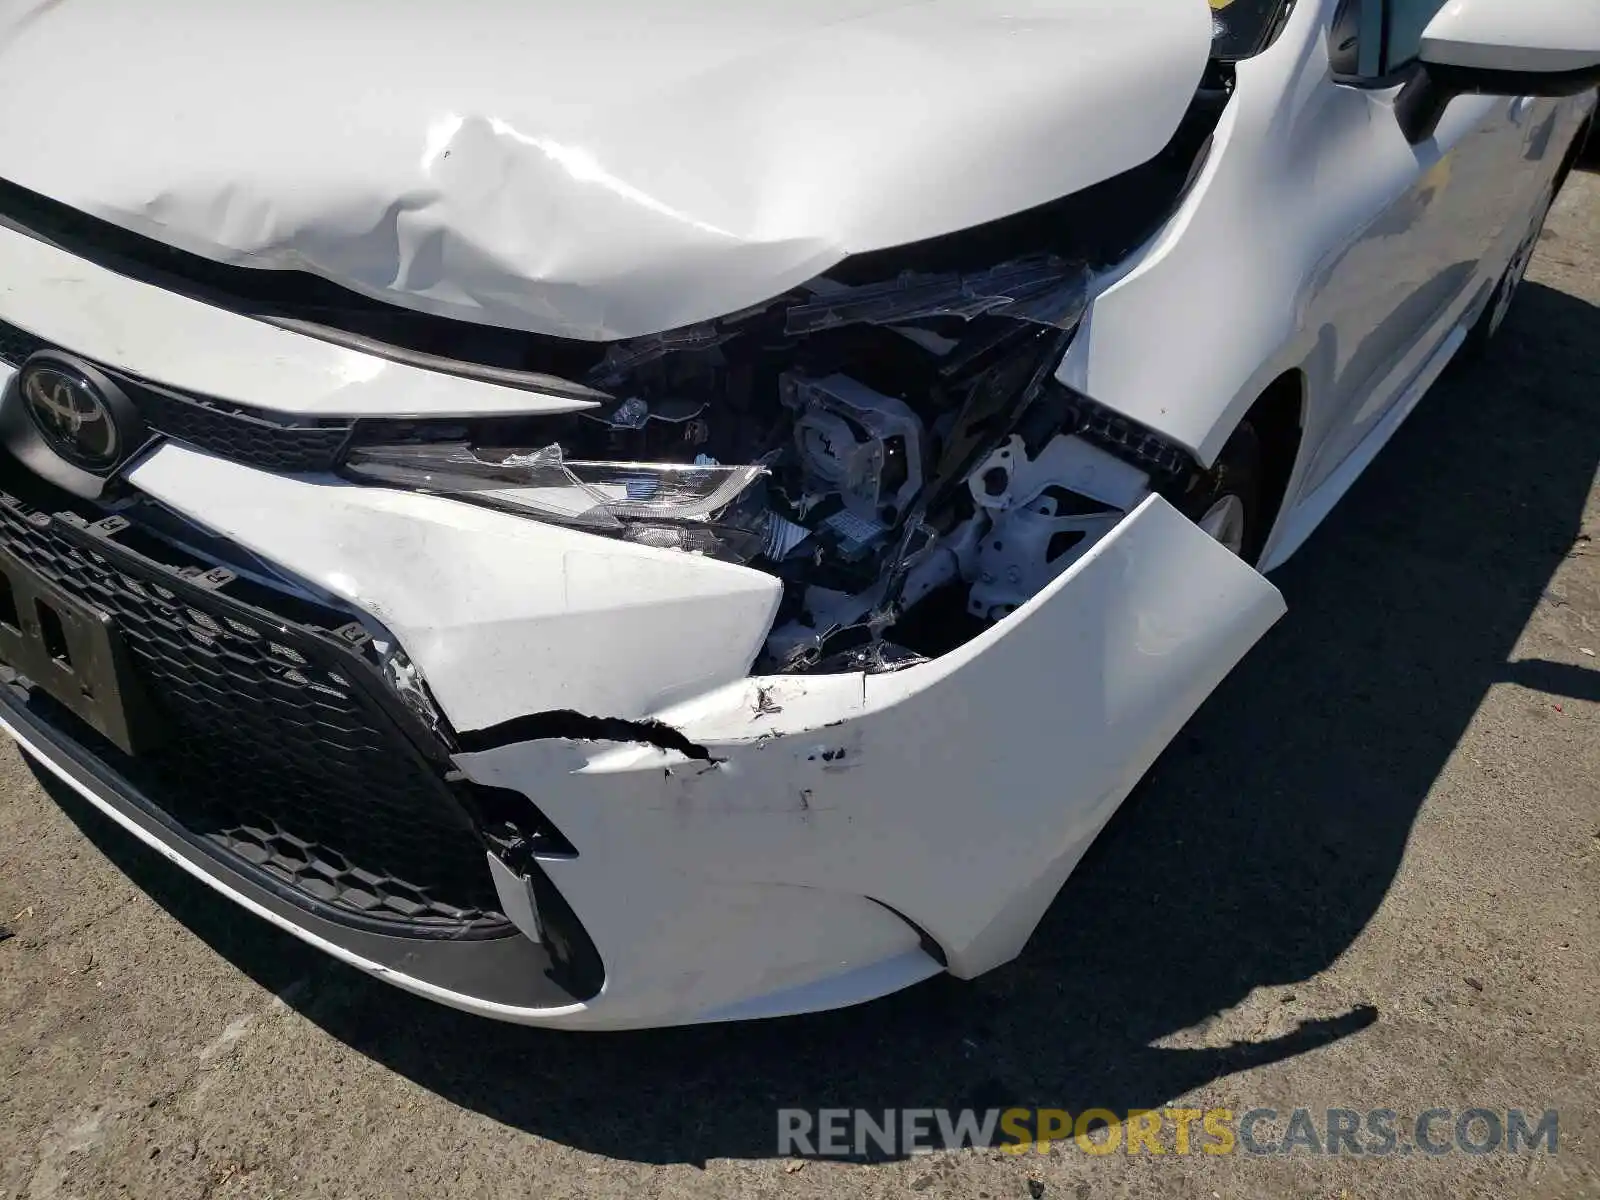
899 454
698 507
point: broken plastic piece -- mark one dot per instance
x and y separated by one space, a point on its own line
410 686
874 658
1046 291
632 413
624 357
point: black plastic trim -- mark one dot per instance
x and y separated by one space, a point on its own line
1422 102
525 381
925 939
407 730
508 970
1267 33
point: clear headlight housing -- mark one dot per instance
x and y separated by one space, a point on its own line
700 507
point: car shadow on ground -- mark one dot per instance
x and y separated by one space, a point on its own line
1255 852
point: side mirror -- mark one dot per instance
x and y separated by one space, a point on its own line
1502 48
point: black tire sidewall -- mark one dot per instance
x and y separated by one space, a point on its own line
1237 472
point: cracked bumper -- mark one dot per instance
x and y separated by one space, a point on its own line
852 835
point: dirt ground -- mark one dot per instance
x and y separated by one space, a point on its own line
1367 875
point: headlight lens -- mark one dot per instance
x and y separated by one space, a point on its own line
701 507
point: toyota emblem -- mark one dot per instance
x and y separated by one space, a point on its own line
71 414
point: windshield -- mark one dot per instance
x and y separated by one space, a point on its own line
1243 27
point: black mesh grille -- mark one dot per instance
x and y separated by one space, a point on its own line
17 344
234 433
251 437
280 754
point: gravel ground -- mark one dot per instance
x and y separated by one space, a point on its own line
1365 876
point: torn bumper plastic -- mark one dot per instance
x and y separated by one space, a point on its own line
841 836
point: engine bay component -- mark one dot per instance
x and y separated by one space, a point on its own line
859 445
1046 512
1029 546
1009 477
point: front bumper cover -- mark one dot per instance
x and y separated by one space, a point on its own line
832 839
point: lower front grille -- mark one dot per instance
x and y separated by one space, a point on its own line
282 750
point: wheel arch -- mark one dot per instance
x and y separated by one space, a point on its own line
1278 416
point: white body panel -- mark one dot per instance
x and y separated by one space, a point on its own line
172 339
593 170
1318 243
1312 205
1542 36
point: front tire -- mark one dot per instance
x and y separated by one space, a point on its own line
1226 501
1494 316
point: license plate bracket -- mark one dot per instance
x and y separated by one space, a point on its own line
74 653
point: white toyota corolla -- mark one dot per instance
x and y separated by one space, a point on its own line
645 511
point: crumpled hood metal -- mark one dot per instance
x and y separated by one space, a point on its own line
595 170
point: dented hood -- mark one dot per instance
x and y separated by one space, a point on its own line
586 168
